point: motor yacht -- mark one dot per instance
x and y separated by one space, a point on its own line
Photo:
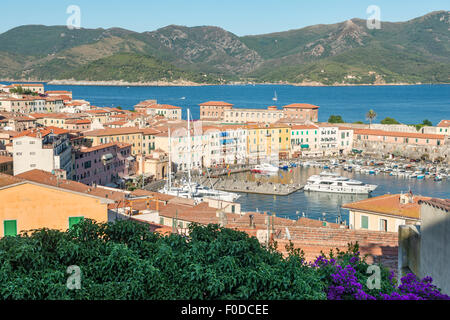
332 182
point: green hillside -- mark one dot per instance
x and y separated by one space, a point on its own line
415 51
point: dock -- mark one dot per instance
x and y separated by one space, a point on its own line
267 188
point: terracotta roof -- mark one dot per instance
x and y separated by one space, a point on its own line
113 131
78 121
162 106
301 106
304 127
389 204
443 204
43 131
216 103
373 132
6 180
5 159
444 123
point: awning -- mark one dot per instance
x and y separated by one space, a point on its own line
130 158
305 146
107 157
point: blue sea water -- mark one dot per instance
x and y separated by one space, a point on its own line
406 104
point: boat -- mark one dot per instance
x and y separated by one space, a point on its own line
190 190
275 98
334 183
265 168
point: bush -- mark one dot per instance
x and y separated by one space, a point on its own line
125 260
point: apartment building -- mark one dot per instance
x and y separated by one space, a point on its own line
305 140
401 143
34 87
239 115
104 164
45 148
214 110
301 111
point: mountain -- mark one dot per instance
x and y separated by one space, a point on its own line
415 51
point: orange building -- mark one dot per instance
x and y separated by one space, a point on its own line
28 205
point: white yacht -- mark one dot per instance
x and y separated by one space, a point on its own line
332 182
265 168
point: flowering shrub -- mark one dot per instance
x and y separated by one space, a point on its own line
347 280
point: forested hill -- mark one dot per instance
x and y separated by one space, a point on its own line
415 51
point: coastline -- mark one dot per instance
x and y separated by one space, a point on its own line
183 83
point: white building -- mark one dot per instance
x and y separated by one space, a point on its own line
46 149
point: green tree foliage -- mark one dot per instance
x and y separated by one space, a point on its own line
371 115
388 120
427 122
335 119
124 260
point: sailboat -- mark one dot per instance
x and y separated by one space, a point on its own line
275 98
192 190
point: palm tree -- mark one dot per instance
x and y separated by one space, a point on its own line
370 116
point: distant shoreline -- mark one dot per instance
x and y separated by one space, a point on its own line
119 83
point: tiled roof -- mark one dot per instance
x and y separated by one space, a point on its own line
373 132
5 159
304 127
113 131
43 131
444 123
389 204
216 103
443 204
301 106
6 180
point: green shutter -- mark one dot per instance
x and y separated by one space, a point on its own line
10 228
74 220
364 222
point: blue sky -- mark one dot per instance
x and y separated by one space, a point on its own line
242 17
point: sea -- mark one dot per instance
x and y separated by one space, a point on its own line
409 104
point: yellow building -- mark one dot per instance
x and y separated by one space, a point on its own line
28 205
280 140
268 142
142 140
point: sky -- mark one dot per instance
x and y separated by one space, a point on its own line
242 17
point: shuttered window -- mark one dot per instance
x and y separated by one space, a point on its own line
364 222
10 228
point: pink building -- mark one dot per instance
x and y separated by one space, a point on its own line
106 164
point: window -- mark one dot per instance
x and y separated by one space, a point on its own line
74 220
383 225
10 228
364 222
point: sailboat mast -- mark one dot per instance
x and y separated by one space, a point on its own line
190 151
170 163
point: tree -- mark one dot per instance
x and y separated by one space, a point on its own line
371 115
427 122
335 119
388 120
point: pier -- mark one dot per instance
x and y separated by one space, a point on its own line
269 188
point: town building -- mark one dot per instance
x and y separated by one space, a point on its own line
214 110
36 200
105 164
46 148
6 165
302 111
240 115
305 141
385 213
406 144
